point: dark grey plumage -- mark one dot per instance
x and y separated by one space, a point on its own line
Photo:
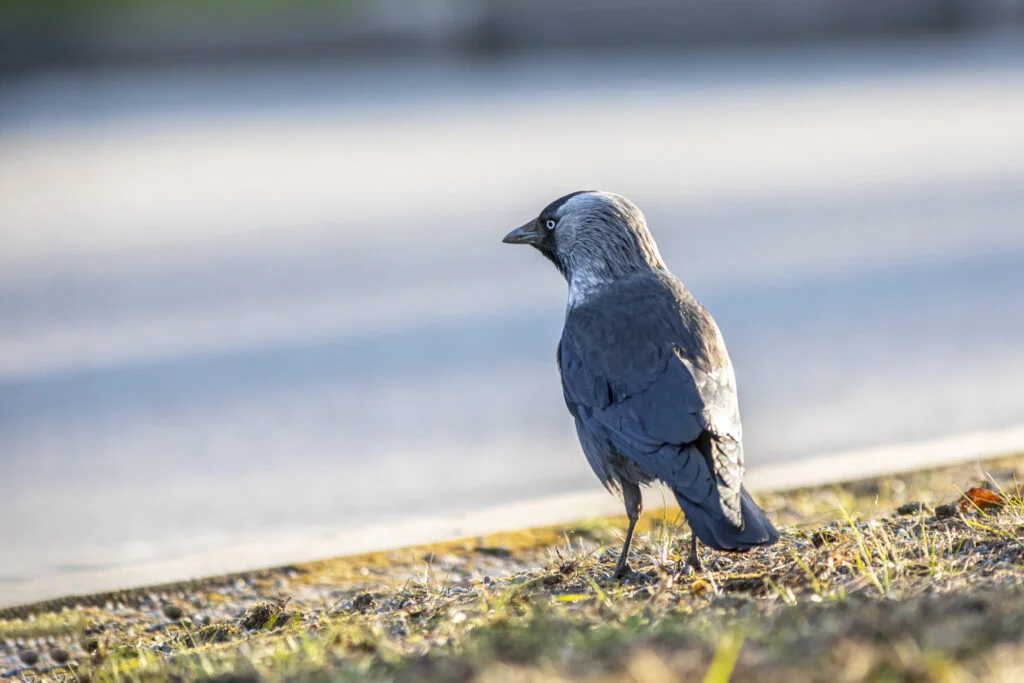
645 372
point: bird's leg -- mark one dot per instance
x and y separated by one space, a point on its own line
692 558
634 504
622 568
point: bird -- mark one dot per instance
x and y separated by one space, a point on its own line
645 374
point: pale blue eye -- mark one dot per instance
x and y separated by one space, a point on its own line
550 224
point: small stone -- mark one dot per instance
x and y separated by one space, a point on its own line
362 602
823 536
174 612
944 511
914 508
60 656
29 657
259 615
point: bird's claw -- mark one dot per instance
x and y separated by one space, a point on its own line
690 566
623 571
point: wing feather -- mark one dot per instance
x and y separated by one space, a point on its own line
641 387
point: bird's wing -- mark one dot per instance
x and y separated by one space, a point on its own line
637 385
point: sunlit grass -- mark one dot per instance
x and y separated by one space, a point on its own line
852 590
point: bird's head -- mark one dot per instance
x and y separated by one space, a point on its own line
592 238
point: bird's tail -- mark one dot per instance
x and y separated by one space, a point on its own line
715 531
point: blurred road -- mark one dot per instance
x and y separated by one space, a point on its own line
237 303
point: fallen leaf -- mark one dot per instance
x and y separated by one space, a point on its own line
981 499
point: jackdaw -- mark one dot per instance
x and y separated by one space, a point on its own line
645 373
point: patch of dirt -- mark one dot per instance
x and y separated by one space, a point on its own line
899 578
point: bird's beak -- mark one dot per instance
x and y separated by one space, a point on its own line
528 233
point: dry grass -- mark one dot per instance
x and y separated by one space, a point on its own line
852 592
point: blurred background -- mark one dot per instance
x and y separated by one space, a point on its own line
252 284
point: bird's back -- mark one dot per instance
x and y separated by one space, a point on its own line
647 376
629 325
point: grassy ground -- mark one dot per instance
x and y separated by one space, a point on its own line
865 585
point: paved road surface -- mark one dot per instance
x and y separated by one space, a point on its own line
248 302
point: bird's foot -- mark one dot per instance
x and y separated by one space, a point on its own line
691 565
622 571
